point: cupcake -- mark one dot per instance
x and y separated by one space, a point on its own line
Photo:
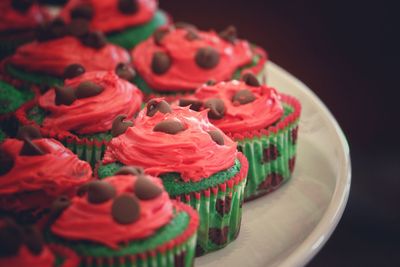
34 171
197 163
18 22
179 59
126 23
10 100
63 51
86 112
125 220
262 121
24 246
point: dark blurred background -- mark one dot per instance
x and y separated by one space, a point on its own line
346 52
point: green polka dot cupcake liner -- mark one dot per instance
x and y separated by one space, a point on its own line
218 200
271 152
171 246
89 148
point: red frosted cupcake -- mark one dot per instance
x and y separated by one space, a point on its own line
181 58
126 23
34 171
18 22
23 246
262 121
63 51
125 219
85 113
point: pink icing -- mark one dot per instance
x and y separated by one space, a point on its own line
262 112
191 152
108 18
53 56
85 221
184 73
92 114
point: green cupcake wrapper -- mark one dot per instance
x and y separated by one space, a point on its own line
271 153
130 37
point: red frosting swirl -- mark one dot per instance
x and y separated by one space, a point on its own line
184 74
191 152
78 220
26 258
107 17
92 114
12 19
53 56
56 172
258 114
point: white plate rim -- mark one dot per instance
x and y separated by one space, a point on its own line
324 229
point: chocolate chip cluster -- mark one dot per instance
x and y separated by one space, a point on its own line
125 208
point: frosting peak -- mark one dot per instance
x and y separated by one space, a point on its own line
183 144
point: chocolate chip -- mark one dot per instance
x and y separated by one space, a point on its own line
125 71
64 95
119 126
21 5
159 34
211 82
217 108
125 209
250 79
10 238
160 63
73 70
28 131
6 162
78 27
83 11
207 57
217 137
88 89
243 97
194 104
130 170
59 205
169 127
145 189
184 25
94 39
155 105
229 34
33 240
99 192
191 35
30 149
128 6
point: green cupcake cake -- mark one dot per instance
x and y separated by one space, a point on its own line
126 23
125 220
197 163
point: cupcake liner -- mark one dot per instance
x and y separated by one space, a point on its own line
130 37
179 251
220 210
271 152
90 150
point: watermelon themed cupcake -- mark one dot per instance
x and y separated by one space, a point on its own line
18 23
34 171
63 51
12 99
262 121
180 58
86 112
24 246
197 163
125 22
125 220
